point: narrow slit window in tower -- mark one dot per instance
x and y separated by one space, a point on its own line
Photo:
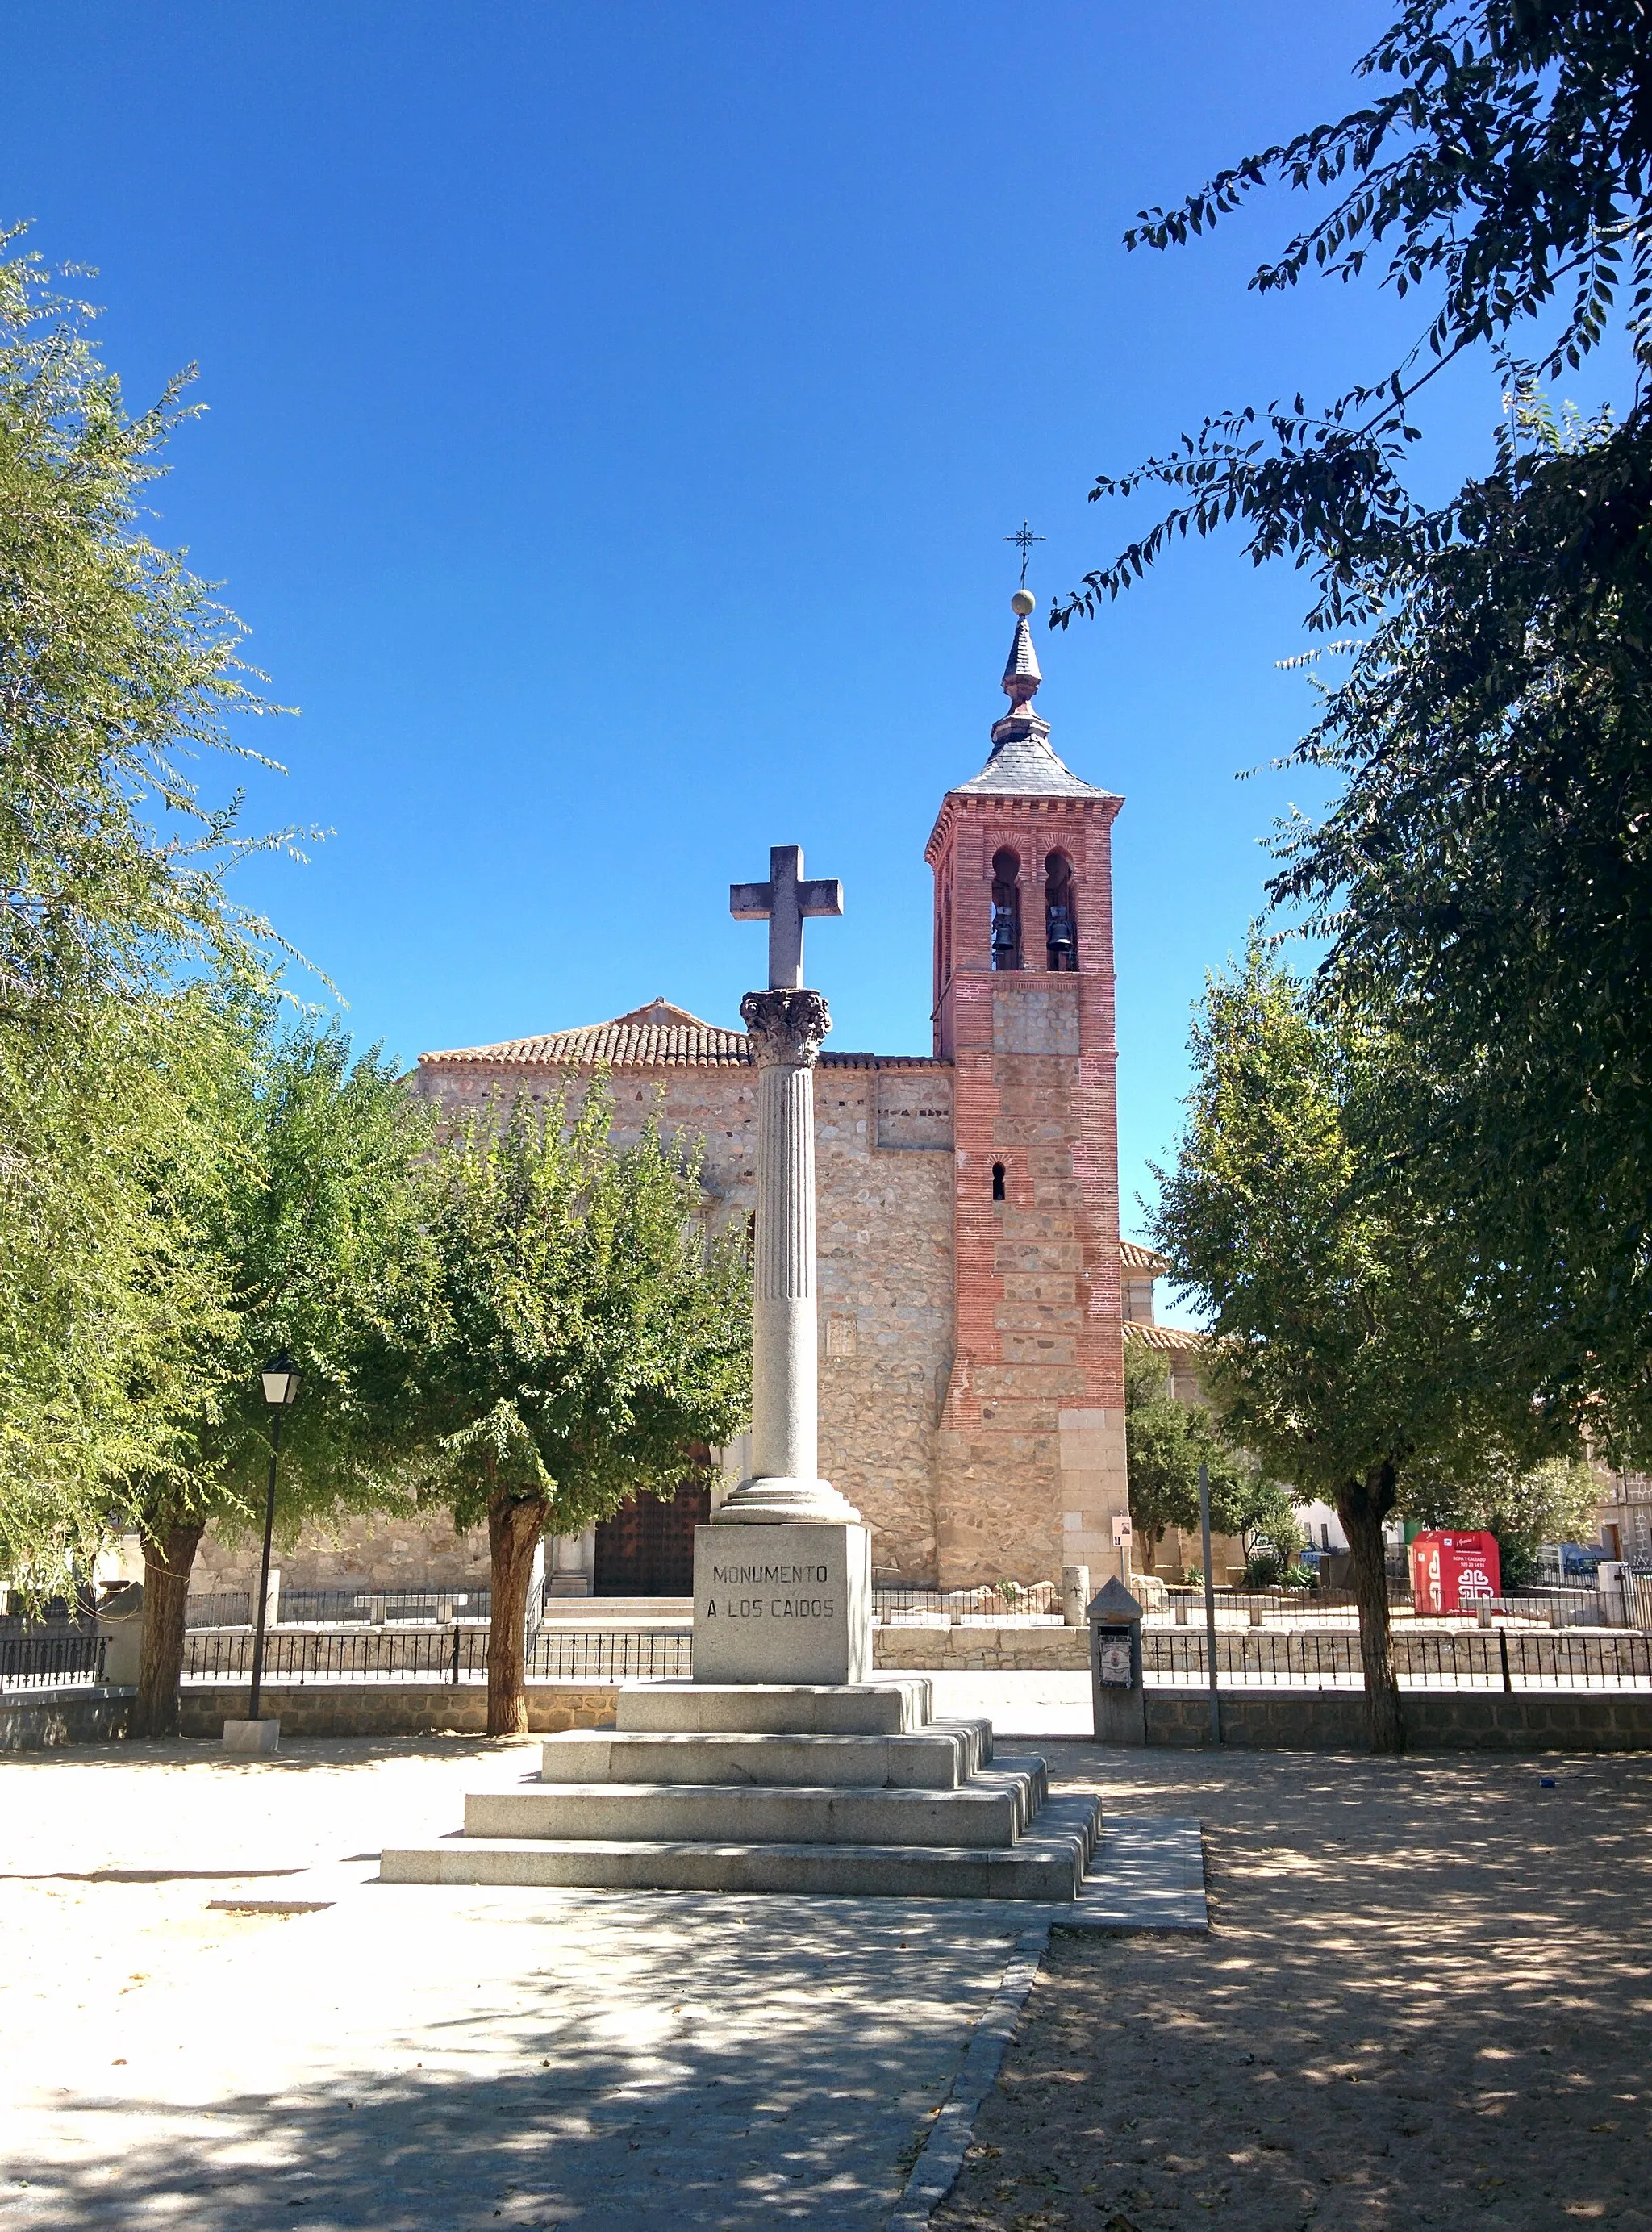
1006 911
998 1181
1060 923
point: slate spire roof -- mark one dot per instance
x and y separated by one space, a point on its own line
1021 763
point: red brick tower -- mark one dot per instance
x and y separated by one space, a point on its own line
1030 1465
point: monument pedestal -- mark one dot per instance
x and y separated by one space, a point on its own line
848 1791
782 1603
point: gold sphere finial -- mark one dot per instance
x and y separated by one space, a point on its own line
1023 603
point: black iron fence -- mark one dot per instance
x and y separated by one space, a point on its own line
51 1660
1466 1658
370 1654
610 1654
454 1655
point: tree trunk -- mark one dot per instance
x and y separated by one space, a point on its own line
514 1527
1361 1507
169 1552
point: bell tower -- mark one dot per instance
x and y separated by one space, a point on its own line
1030 1464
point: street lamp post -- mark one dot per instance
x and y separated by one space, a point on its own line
281 1391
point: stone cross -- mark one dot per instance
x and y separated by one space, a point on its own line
783 902
786 1024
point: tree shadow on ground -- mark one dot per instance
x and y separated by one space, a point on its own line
612 2061
1427 1999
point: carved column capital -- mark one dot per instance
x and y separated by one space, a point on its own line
785 1026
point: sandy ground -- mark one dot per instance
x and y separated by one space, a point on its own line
1425 2000
438 2059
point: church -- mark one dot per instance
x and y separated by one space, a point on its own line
973 1290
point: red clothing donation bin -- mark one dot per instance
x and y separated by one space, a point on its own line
1448 1571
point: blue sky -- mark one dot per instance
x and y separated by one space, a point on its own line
616 413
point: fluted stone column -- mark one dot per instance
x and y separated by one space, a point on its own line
787 1029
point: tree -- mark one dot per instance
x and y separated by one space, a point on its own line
1485 874
1165 1442
1346 1348
1505 155
299 1232
115 666
582 1332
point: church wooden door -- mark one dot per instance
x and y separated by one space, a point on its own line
647 1549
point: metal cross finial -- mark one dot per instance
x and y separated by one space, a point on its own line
1024 539
783 902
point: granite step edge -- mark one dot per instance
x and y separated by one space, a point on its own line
934 1758
994 1809
1046 1866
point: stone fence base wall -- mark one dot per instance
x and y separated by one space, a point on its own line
37 1719
1436 1720
966 1649
398 1708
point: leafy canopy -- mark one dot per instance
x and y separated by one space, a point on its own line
306 1229
1346 1345
1486 875
1503 167
582 1330
116 667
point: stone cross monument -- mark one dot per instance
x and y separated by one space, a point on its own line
791 1599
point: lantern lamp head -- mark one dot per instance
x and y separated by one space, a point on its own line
281 1382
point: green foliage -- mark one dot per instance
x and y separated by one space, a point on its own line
305 1232
1503 165
581 1329
1487 874
115 667
1484 876
1345 1344
1552 1501
1166 1442
1347 1352
99 1283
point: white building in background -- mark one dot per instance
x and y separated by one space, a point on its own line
1319 1522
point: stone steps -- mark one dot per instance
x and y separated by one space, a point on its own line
994 1808
899 1705
849 1791
1047 1863
942 1757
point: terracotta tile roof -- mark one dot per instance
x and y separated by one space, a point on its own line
1169 1340
658 1036
1135 1257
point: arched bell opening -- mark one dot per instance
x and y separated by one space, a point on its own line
1060 918
1006 910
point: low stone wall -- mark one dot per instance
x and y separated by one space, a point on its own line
965 1649
1436 1720
35 1720
398 1708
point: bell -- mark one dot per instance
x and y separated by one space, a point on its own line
1060 938
1003 930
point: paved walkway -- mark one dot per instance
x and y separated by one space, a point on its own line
448 2058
